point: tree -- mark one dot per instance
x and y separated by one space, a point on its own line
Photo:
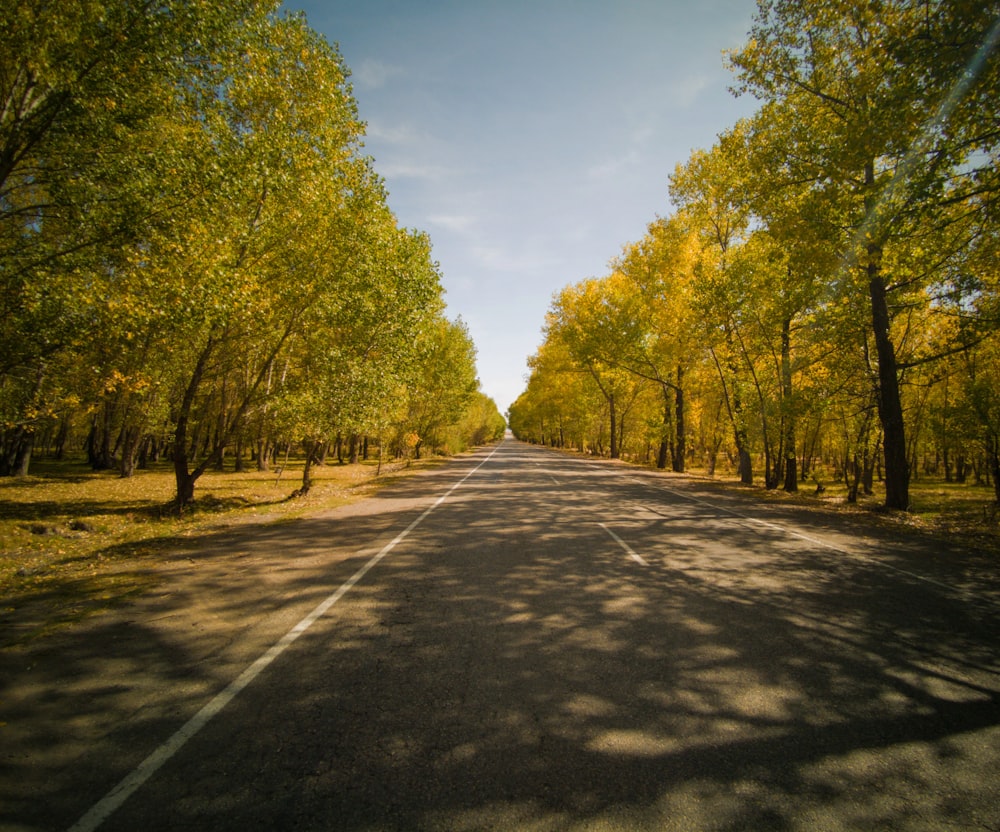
661 269
274 162
443 384
598 320
866 119
195 254
480 424
85 88
710 190
357 352
557 404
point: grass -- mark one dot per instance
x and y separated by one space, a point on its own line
963 511
74 543
958 510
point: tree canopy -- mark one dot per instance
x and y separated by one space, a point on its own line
197 260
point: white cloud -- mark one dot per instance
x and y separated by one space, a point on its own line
395 134
404 169
373 75
457 223
687 91
611 169
643 135
520 260
402 151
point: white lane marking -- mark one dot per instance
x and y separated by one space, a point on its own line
817 542
765 523
631 552
107 805
597 469
814 540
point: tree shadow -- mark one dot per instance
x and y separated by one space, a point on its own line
509 666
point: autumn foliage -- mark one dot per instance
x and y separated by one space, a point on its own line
197 260
825 287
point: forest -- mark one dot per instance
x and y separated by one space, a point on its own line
198 265
824 292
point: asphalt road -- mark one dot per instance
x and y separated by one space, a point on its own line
533 642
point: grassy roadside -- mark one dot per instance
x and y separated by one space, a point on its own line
962 511
74 543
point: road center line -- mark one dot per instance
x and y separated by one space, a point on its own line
631 552
107 805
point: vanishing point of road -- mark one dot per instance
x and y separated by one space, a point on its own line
525 640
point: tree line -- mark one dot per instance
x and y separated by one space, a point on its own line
826 284
197 259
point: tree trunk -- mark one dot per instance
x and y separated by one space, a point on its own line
129 448
734 406
99 441
614 427
263 455
791 460
680 446
185 487
853 479
742 443
90 446
21 457
230 426
890 407
993 459
183 478
745 466
310 449
791 473
61 438
961 468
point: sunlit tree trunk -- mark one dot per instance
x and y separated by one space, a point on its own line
791 461
680 446
890 407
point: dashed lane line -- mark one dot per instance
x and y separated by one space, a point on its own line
808 539
631 552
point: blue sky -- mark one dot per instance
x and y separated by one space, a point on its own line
532 139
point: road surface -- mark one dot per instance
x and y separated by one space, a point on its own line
524 640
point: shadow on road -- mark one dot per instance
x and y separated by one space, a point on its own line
510 667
